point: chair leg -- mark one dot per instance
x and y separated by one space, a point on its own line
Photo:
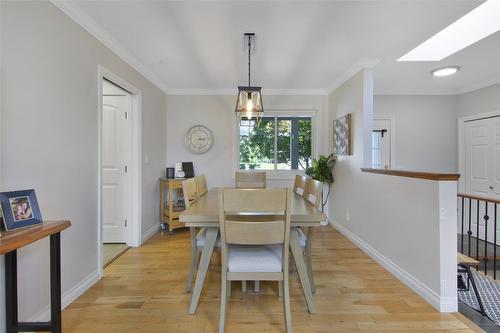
194 259
257 286
223 302
280 289
310 270
286 305
243 286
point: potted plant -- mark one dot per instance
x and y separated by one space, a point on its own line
322 170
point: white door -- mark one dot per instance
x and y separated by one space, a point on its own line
381 144
116 146
482 157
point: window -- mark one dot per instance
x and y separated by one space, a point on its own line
376 151
276 143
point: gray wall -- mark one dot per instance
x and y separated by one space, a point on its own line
425 131
479 101
49 137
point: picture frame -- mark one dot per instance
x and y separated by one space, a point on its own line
20 209
342 143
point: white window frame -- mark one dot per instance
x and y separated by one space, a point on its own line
280 111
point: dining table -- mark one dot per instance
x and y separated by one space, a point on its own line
205 213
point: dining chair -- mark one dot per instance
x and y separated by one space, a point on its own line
312 193
202 185
191 195
255 247
300 184
250 179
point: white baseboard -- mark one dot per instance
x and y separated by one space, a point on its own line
150 232
69 296
442 304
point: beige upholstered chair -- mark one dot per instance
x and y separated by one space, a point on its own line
190 190
202 185
254 247
312 194
300 184
251 179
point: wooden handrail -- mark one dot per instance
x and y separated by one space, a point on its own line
414 174
476 197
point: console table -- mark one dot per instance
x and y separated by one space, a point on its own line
10 241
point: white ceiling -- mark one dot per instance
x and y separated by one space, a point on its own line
304 45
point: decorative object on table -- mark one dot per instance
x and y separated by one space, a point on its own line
322 171
342 135
199 139
179 173
20 209
188 169
170 173
249 102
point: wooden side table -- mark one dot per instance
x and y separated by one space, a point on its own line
9 243
169 212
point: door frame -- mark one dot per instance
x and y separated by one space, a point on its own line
134 224
393 139
461 143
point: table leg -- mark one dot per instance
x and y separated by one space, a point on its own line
206 254
11 291
298 257
55 283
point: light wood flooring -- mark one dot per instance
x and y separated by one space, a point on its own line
111 251
143 291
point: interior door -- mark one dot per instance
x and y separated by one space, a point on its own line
115 150
381 144
480 159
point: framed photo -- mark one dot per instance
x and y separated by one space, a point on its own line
20 209
342 135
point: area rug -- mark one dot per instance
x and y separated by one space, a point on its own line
489 291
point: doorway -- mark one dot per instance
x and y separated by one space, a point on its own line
381 144
119 184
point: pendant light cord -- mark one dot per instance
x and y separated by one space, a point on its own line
249 48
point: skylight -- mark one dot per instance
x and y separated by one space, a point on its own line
474 26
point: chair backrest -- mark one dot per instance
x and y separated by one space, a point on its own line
190 191
250 179
255 216
313 191
300 184
202 185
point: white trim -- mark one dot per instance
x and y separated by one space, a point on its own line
368 63
442 304
134 232
69 296
461 143
233 91
71 9
417 92
313 111
150 232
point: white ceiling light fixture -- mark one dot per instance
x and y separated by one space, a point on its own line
445 71
474 26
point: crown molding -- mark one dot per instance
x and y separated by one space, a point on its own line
415 92
71 9
234 92
364 63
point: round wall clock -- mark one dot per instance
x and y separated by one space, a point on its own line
199 139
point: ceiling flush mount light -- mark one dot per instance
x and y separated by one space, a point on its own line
445 71
249 102
474 26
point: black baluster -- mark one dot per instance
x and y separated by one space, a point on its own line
469 232
486 218
462 245
495 244
477 233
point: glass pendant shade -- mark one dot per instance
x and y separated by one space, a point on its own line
249 103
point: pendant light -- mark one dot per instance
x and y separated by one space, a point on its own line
249 102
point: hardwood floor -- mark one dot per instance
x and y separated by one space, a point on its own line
143 291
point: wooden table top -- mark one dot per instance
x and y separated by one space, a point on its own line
12 240
205 211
